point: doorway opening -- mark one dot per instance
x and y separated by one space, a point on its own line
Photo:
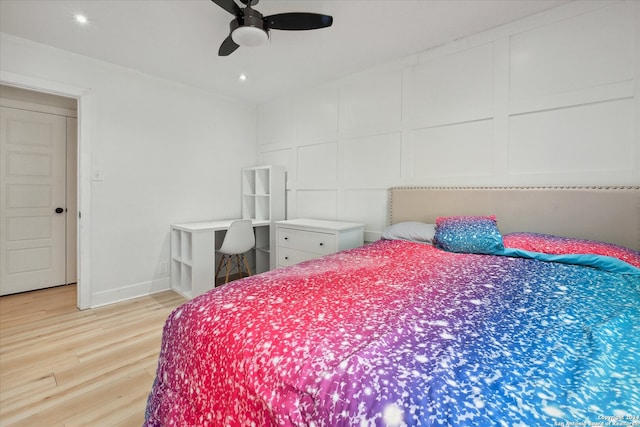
38 186
83 97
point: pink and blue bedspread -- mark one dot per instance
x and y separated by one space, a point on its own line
404 334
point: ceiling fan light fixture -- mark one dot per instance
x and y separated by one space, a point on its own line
249 36
250 28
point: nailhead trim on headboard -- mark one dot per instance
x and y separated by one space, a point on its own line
579 216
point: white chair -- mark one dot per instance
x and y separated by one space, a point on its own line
238 240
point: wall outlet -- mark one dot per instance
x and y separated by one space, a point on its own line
164 267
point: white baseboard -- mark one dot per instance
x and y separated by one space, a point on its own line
111 296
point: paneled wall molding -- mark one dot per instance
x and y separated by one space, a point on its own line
610 92
387 68
445 123
317 139
276 124
377 129
559 14
552 99
500 146
274 146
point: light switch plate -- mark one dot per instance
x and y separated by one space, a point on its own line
97 175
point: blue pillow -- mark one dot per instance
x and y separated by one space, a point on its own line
468 234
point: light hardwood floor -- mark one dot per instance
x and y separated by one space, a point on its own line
60 366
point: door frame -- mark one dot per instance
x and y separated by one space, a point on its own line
83 243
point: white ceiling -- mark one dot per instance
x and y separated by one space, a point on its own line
179 39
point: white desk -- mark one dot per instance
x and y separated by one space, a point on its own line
193 254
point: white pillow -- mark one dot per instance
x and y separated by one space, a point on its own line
410 230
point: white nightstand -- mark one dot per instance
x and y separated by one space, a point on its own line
302 239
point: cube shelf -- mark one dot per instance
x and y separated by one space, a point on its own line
193 245
263 198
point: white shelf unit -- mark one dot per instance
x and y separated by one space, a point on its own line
263 198
191 260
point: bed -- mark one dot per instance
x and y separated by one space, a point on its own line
521 308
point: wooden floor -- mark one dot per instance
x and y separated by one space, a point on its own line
60 366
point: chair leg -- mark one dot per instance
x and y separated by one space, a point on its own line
246 264
229 262
242 266
226 280
236 263
218 270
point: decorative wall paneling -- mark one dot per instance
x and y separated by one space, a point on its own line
552 99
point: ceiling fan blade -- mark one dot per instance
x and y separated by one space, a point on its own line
227 47
230 6
294 21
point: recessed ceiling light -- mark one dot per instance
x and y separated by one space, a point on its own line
242 77
80 18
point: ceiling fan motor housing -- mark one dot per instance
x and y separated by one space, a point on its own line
251 29
253 18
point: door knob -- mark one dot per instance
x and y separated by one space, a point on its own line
59 210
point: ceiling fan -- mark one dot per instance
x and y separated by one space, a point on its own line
250 28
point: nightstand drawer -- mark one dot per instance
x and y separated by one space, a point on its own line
306 241
302 239
287 257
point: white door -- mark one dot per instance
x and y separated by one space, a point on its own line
32 200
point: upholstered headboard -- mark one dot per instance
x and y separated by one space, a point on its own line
610 214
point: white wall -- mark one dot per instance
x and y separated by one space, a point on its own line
167 154
553 99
